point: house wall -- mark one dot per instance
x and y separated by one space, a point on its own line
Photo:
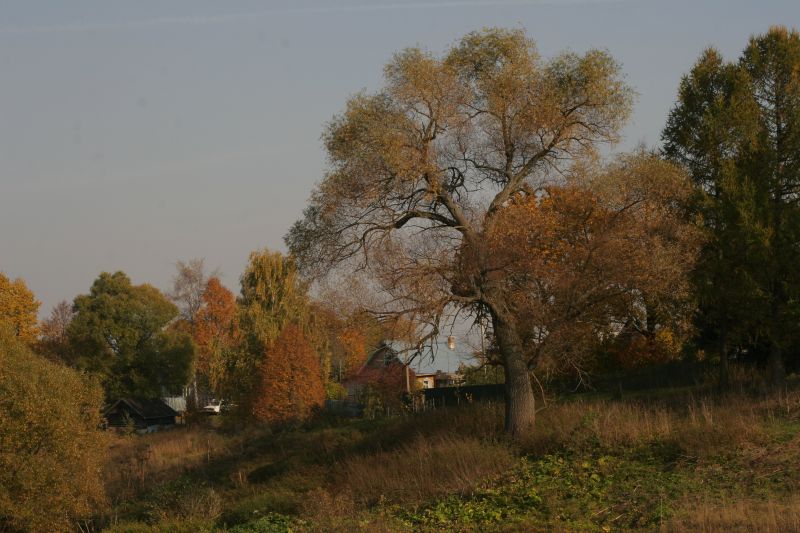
420 380
443 396
354 390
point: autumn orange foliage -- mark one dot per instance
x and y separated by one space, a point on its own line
354 347
216 331
290 387
600 260
636 349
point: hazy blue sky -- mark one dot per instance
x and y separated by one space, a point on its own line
135 133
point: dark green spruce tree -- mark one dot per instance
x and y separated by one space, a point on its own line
736 127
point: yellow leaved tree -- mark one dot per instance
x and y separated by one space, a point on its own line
19 308
52 448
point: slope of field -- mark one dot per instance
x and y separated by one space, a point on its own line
677 461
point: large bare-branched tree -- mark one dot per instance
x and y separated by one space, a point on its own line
420 170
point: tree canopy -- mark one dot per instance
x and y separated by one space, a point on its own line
188 285
51 448
290 387
121 332
54 340
19 308
606 253
736 127
421 172
273 295
217 335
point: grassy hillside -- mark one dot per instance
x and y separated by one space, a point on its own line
683 461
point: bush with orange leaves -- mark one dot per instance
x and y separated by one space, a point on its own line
290 384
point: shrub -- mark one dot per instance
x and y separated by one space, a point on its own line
52 450
335 391
272 523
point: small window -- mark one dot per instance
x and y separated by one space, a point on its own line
426 384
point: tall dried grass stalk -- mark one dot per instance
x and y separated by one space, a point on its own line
423 469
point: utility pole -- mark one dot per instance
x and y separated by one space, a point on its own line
483 344
408 377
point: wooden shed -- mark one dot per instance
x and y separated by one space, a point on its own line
142 413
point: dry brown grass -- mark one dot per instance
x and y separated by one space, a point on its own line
331 511
136 462
423 468
337 512
481 420
580 423
699 426
334 475
743 516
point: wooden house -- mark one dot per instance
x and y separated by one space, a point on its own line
426 380
142 414
381 364
432 380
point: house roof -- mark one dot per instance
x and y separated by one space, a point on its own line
143 407
381 349
440 358
433 358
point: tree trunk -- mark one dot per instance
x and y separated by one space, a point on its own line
775 369
195 393
520 402
724 373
